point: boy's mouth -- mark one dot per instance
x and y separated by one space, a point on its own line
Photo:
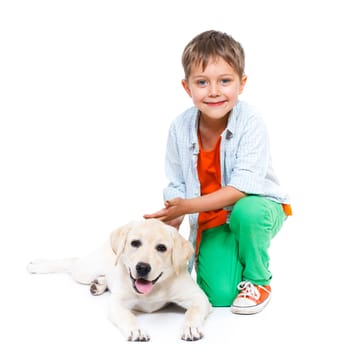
215 104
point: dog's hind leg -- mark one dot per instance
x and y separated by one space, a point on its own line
99 285
83 270
79 269
51 266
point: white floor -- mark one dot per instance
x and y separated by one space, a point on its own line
52 312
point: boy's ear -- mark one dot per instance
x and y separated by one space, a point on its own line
243 82
186 86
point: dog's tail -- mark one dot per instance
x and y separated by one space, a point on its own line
51 266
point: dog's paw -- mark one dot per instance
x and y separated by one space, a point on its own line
191 334
98 286
37 266
138 335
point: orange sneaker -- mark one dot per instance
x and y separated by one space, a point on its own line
251 298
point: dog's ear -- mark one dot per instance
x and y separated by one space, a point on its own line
118 240
182 251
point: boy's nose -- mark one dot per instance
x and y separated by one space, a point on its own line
214 90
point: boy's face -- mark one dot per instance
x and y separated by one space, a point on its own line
215 90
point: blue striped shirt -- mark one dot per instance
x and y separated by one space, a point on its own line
244 153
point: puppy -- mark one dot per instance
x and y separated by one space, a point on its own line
144 266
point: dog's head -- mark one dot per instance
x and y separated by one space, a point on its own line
151 251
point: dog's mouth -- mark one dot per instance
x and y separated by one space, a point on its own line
143 286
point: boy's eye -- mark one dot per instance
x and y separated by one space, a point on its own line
225 81
201 82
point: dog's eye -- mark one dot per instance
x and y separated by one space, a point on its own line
161 248
136 243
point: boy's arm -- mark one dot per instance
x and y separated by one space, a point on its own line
173 167
224 197
178 207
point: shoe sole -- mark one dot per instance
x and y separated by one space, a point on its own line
250 310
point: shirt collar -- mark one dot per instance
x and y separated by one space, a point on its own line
227 133
194 131
232 121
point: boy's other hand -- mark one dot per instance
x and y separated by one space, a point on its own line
172 214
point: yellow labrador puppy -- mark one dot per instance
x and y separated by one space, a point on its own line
144 266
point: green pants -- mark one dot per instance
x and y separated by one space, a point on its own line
238 251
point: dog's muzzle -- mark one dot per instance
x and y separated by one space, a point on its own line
142 285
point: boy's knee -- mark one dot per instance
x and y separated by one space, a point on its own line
250 208
220 295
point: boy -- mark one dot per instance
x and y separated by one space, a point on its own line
220 173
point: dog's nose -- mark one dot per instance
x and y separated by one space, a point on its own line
143 269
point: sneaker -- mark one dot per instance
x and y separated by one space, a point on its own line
251 298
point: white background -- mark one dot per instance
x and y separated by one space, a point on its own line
88 90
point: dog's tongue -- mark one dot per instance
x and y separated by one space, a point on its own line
143 286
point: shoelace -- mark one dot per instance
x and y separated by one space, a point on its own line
247 289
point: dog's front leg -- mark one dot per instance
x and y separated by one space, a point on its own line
126 321
196 313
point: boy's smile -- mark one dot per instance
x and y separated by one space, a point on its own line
215 90
215 104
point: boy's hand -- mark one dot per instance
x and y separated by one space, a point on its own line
173 213
175 222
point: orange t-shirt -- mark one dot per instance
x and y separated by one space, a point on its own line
209 174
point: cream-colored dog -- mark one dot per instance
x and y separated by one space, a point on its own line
144 266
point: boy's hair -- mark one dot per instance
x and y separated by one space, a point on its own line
211 45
